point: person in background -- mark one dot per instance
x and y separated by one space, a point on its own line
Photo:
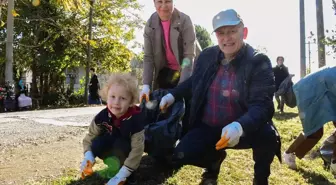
280 73
94 87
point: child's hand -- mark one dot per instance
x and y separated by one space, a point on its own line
87 164
120 177
116 181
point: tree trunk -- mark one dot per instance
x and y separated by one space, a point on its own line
46 84
320 34
9 43
34 78
72 80
41 84
302 40
2 74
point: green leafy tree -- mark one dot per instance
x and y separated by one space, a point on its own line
331 38
50 38
203 36
330 35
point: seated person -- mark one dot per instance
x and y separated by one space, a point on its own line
117 130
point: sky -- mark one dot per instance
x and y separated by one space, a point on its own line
272 24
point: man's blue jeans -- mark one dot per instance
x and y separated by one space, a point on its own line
197 148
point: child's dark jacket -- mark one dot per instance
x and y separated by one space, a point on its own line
129 126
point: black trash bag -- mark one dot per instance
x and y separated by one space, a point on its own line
286 91
162 130
289 97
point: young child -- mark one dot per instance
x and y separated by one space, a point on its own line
117 131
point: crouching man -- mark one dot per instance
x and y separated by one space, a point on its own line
232 89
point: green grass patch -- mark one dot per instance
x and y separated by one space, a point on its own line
237 167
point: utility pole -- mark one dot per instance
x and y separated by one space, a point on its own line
88 62
309 56
302 40
320 33
9 42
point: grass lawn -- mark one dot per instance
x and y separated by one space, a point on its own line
237 167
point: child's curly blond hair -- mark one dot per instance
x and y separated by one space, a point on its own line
123 79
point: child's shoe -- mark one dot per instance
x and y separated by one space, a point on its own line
289 159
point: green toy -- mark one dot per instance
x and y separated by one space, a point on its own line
113 166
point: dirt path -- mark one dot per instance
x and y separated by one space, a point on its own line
31 149
43 161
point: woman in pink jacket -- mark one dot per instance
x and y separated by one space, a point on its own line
169 48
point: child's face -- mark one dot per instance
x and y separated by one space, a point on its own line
118 100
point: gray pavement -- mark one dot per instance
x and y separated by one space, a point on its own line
60 117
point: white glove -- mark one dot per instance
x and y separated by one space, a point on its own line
166 101
120 177
88 156
231 134
144 93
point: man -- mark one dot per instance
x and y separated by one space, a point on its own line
280 74
232 88
94 86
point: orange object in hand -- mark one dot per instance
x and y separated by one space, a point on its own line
87 170
164 108
144 96
222 143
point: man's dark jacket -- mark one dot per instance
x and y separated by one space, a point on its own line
254 82
94 87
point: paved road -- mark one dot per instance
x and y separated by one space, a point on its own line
59 117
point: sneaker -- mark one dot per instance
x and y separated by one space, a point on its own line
210 175
209 182
289 159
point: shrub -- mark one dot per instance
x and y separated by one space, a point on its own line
76 99
54 99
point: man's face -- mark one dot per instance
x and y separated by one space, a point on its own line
164 8
230 38
280 61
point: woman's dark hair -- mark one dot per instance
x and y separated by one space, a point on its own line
283 59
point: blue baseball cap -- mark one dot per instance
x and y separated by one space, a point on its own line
227 17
